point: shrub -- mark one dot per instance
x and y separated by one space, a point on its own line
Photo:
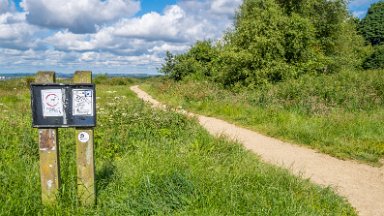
376 59
198 60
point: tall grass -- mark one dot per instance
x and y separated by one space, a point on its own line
340 114
149 162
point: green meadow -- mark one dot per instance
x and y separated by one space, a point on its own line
339 114
153 162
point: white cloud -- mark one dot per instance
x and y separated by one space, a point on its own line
186 22
209 19
78 16
225 7
15 32
89 56
9 18
153 26
175 30
162 48
7 6
64 40
50 34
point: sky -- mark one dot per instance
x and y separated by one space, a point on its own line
110 36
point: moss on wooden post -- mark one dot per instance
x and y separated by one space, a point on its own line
45 77
82 77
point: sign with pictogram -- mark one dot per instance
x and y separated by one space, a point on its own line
63 105
82 103
52 102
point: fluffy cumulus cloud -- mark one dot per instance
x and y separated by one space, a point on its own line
224 6
78 16
104 35
153 26
15 32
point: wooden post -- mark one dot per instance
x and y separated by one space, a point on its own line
49 153
85 154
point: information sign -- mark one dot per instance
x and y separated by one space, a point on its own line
82 102
63 105
52 101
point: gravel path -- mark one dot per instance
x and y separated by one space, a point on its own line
361 184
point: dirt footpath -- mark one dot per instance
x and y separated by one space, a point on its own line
361 184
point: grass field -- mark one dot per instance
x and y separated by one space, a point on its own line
340 114
149 162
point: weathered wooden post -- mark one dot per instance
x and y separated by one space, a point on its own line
49 153
85 154
57 105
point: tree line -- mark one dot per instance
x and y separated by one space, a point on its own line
276 40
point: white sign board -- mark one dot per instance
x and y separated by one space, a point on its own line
52 100
82 102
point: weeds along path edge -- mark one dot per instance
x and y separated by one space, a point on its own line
361 184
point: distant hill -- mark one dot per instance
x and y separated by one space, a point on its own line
4 76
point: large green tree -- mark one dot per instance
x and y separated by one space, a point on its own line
273 40
280 39
372 25
372 28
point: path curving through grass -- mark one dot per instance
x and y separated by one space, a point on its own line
361 184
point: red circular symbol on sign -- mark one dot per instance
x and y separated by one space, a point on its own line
52 100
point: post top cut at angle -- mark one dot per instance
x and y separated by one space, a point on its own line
361 184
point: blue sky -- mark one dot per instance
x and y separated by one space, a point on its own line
154 5
110 36
359 7
146 6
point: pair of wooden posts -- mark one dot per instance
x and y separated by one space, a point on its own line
49 153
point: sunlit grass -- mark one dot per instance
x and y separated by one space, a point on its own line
341 114
148 162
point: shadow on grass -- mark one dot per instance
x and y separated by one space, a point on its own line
105 175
